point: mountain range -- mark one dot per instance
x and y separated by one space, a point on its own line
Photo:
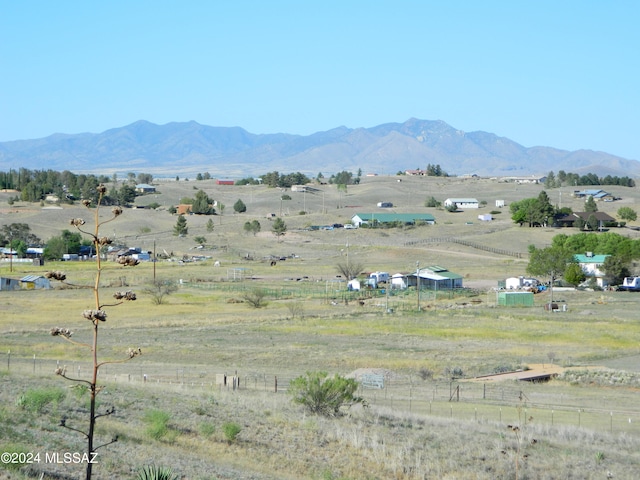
187 148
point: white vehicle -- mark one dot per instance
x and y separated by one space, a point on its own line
350 226
631 284
379 276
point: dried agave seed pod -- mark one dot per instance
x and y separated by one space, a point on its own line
117 211
128 295
101 188
77 222
86 203
104 241
134 352
95 315
57 275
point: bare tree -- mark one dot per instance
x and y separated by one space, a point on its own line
349 270
97 317
255 297
159 290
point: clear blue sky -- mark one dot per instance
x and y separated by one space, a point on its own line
564 73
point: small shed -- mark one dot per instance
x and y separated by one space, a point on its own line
9 283
33 282
354 285
515 299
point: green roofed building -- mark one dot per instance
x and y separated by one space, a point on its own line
378 217
434 278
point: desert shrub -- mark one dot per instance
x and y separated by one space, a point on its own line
36 400
231 431
207 429
256 297
157 423
153 472
425 374
323 395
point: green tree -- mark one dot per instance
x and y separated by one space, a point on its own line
18 231
615 268
125 195
209 225
253 227
590 205
548 262
180 228
432 202
279 228
239 206
593 223
323 395
574 275
200 240
627 213
550 181
202 204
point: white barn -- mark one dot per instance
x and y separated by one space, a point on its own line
462 202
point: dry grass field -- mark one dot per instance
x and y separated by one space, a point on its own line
422 424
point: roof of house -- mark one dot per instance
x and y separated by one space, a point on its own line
582 258
600 216
589 191
145 186
395 217
436 272
462 200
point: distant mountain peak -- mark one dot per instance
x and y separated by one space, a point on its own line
188 148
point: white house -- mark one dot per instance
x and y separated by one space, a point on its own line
592 266
462 203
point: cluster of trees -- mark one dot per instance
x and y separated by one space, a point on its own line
35 185
533 211
344 178
539 212
435 171
558 261
201 204
276 180
564 178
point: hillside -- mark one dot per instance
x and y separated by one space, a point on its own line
391 250
185 149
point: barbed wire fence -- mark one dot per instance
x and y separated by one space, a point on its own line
507 402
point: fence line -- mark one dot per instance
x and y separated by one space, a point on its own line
466 243
504 402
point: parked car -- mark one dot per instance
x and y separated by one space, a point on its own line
350 226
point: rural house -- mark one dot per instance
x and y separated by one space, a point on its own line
462 203
435 278
592 266
407 218
598 195
145 188
568 220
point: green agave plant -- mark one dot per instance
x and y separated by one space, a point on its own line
154 472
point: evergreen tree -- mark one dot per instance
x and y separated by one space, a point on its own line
180 228
279 228
590 205
239 207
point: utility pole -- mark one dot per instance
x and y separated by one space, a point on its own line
418 282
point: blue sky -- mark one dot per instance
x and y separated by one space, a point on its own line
564 74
